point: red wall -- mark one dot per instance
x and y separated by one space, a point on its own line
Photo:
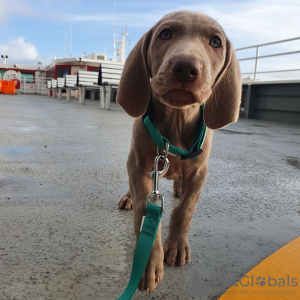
89 68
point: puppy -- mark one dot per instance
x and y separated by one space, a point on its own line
181 63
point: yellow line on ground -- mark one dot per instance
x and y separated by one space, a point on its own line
276 277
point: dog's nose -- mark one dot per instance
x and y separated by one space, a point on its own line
186 70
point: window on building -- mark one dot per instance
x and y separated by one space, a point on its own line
61 72
27 76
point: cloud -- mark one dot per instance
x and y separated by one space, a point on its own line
18 49
132 19
10 8
254 22
245 22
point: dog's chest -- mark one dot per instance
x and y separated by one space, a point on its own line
177 168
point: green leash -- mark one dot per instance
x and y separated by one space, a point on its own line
143 249
149 228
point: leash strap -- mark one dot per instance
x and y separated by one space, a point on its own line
143 248
193 151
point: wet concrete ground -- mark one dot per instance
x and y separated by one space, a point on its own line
62 172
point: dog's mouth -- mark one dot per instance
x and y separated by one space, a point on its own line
178 98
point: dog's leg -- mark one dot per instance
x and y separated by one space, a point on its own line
177 188
176 246
126 201
140 186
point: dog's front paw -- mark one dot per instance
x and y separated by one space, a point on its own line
177 251
154 271
126 202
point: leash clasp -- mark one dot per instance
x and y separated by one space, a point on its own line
155 196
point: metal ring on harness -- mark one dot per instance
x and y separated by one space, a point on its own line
166 152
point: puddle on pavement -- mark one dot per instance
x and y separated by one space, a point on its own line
257 125
226 131
294 161
31 129
26 126
91 127
15 152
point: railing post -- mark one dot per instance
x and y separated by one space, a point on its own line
256 62
24 82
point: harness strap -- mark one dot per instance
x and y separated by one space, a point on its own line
193 151
143 248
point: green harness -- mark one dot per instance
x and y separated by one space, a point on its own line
193 151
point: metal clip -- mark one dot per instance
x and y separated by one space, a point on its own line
154 197
166 152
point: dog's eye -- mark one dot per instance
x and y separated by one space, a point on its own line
166 34
215 42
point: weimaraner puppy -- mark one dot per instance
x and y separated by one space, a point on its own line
181 63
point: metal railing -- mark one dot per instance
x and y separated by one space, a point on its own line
39 86
257 57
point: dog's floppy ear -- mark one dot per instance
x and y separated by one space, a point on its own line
223 106
134 89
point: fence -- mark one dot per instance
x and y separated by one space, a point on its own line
274 66
38 86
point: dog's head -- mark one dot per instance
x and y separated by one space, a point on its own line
186 60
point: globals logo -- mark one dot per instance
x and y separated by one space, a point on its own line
252 281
